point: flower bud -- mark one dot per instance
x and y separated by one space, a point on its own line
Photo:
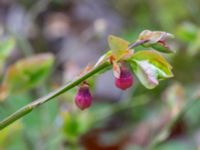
83 98
157 40
125 79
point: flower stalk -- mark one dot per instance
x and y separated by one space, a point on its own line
120 50
28 108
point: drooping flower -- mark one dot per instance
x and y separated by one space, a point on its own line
83 97
120 51
125 79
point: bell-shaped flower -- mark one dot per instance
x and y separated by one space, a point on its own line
83 97
125 79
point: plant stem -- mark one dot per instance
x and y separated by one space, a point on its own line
28 108
137 43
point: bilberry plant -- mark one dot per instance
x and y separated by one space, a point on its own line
149 66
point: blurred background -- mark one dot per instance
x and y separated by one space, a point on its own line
57 38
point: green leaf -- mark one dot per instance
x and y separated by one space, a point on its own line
176 145
161 47
117 45
75 124
6 47
150 67
187 32
28 72
9 133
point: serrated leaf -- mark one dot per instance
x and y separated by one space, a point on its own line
150 67
117 45
28 72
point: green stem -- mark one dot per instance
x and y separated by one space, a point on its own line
28 108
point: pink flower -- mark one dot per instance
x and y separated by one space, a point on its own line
125 79
83 98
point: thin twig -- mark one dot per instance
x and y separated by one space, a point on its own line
28 108
137 43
